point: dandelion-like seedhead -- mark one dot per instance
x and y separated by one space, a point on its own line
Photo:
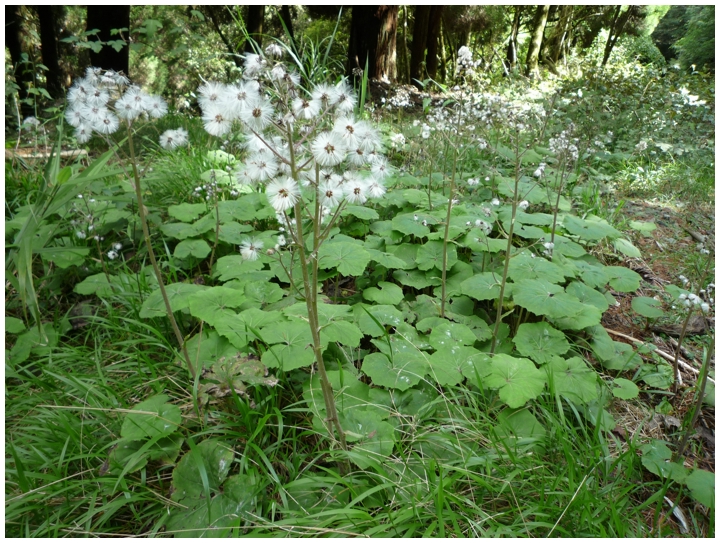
98 102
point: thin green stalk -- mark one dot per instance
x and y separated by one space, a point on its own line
447 235
698 402
501 298
151 254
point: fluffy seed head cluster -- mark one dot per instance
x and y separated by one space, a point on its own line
98 101
564 146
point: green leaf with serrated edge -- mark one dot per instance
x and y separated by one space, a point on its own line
407 224
13 325
593 275
540 341
587 315
234 266
97 284
342 332
478 326
178 294
195 520
626 248
179 230
567 247
483 286
479 242
621 358
234 233
625 389
386 315
289 357
702 486
348 258
215 456
477 366
517 379
643 227
520 429
525 266
361 212
187 212
388 260
198 248
623 279
656 376
450 334
589 230
415 279
587 295
655 458
543 298
430 255
373 438
64 257
448 362
206 348
220 158
388 293
152 418
573 379
404 371
647 307
263 293
212 304
406 252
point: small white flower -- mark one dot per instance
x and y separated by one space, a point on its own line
261 168
331 194
328 149
112 255
376 189
283 194
257 114
80 234
305 109
355 191
117 246
495 202
327 95
346 97
524 205
250 249
156 107
216 122
107 124
274 50
705 307
472 181
281 241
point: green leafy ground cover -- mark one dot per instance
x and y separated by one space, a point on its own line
462 318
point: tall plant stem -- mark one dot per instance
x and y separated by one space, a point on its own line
447 235
698 402
153 261
501 298
310 284
684 329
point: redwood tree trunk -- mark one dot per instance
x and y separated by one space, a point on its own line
49 17
13 41
512 48
386 50
560 35
538 28
256 16
432 40
616 30
106 18
419 43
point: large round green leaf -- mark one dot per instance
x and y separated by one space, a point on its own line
587 295
573 379
402 372
647 307
150 419
483 286
447 363
387 293
623 279
540 341
430 255
517 379
525 266
543 298
215 303
450 334
589 230
348 258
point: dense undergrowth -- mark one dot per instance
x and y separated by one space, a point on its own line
461 288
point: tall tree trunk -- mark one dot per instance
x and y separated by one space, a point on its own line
13 41
616 30
256 17
213 15
106 18
432 40
406 49
49 17
419 44
561 33
512 48
386 49
538 28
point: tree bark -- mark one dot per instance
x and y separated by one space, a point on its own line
616 30
13 41
214 18
419 44
386 50
560 34
256 17
538 28
432 40
49 17
512 48
106 18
